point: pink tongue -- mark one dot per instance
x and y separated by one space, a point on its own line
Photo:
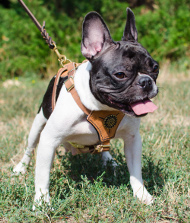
143 107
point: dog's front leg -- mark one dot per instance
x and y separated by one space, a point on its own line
37 127
133 150
45 156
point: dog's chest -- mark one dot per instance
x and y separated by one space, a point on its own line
82 132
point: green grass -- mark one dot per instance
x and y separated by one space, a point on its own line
82 190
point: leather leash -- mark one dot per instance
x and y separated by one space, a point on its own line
61 58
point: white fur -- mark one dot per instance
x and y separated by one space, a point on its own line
68 123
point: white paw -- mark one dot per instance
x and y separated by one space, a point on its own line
106 157
20 168
140 191
143 195
41 199
113 163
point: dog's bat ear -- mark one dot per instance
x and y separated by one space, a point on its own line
130 32
95 36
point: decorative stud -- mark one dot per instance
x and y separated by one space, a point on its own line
110 121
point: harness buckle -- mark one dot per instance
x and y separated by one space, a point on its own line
100 148
69 84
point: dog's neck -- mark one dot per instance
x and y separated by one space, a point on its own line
81 79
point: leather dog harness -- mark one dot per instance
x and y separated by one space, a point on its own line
105 122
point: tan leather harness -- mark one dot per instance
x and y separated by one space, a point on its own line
105 122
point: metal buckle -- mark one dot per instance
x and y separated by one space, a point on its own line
80 148
72 86
61 58
99 148
71 70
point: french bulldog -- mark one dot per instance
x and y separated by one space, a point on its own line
119 75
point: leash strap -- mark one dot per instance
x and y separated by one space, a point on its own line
61 58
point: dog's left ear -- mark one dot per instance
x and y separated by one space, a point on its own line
130 32
95 36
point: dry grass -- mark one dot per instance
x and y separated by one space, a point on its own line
169 112
171 76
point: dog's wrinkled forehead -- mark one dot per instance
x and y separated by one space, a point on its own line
131 55
132 50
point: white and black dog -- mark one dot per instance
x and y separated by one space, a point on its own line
117 76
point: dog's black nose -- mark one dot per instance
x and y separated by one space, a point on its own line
146 83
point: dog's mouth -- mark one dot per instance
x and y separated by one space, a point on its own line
138 108
143 107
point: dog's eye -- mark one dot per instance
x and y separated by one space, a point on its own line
120 75
156 69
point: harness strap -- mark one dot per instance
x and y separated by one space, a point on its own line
69 84
68 71
53 99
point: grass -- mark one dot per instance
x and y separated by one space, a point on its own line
82 190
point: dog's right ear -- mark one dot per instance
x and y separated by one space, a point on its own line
130 32
95 36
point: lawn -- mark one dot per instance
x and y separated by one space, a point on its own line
82 190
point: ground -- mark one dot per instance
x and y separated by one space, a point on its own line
82 190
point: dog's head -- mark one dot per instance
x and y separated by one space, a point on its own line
123 73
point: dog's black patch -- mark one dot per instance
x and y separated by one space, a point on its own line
47 99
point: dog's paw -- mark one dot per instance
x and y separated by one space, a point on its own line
42 199
106 157
147 199
42 206
140 191
20 168
143 195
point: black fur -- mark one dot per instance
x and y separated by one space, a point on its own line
46 102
